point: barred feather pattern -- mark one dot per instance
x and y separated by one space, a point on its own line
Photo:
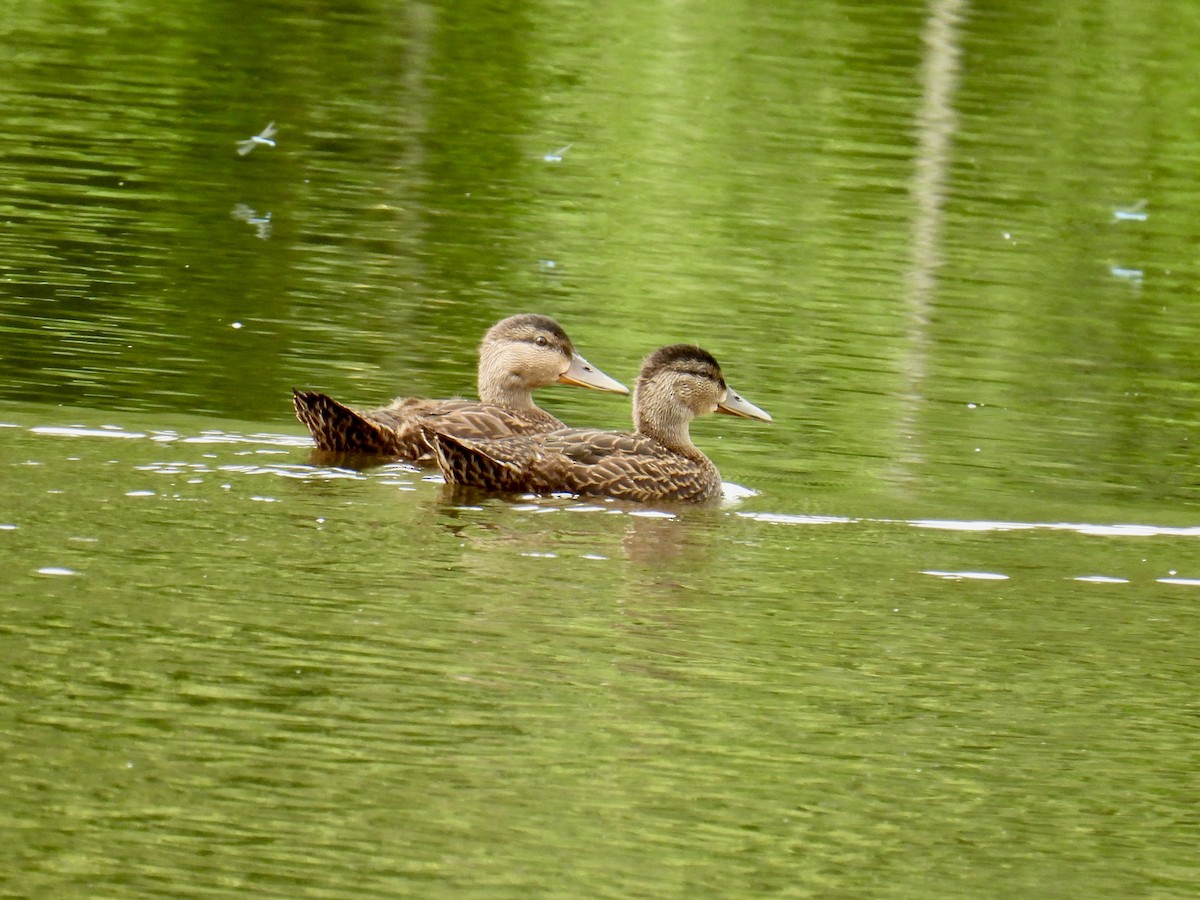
401 429
626 466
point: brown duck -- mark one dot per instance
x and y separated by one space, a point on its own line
657 462
518 355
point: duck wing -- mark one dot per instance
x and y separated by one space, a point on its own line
399 430
579 461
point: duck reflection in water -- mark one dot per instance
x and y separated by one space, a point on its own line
571 527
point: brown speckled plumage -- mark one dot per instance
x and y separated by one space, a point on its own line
657 462
399 430
518 355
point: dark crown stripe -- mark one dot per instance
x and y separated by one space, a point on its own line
678 355
542 323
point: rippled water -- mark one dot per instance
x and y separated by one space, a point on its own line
941 639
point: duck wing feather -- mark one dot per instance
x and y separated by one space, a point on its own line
579 461
400 429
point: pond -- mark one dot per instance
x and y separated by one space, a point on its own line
940 639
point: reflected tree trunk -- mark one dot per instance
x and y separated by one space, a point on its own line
936 124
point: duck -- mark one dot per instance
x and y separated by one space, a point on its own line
517 356
657 462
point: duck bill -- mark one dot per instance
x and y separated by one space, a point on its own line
582 373
734 405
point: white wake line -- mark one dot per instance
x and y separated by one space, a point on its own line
170 437
1119 530
732 492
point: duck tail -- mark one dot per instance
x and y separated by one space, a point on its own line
337 428
466 462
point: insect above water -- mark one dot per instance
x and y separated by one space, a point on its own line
263 137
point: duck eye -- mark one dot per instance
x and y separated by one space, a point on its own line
542 341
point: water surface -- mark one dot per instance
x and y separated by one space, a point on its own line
947 644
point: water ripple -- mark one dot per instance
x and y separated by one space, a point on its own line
958 576
981 525
81 431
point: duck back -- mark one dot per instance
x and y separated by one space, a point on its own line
400 430
626 466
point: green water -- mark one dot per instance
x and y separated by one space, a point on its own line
947 647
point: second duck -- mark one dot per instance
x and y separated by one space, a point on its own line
518 355
656 462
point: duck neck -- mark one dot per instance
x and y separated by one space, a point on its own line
499 386
667 424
